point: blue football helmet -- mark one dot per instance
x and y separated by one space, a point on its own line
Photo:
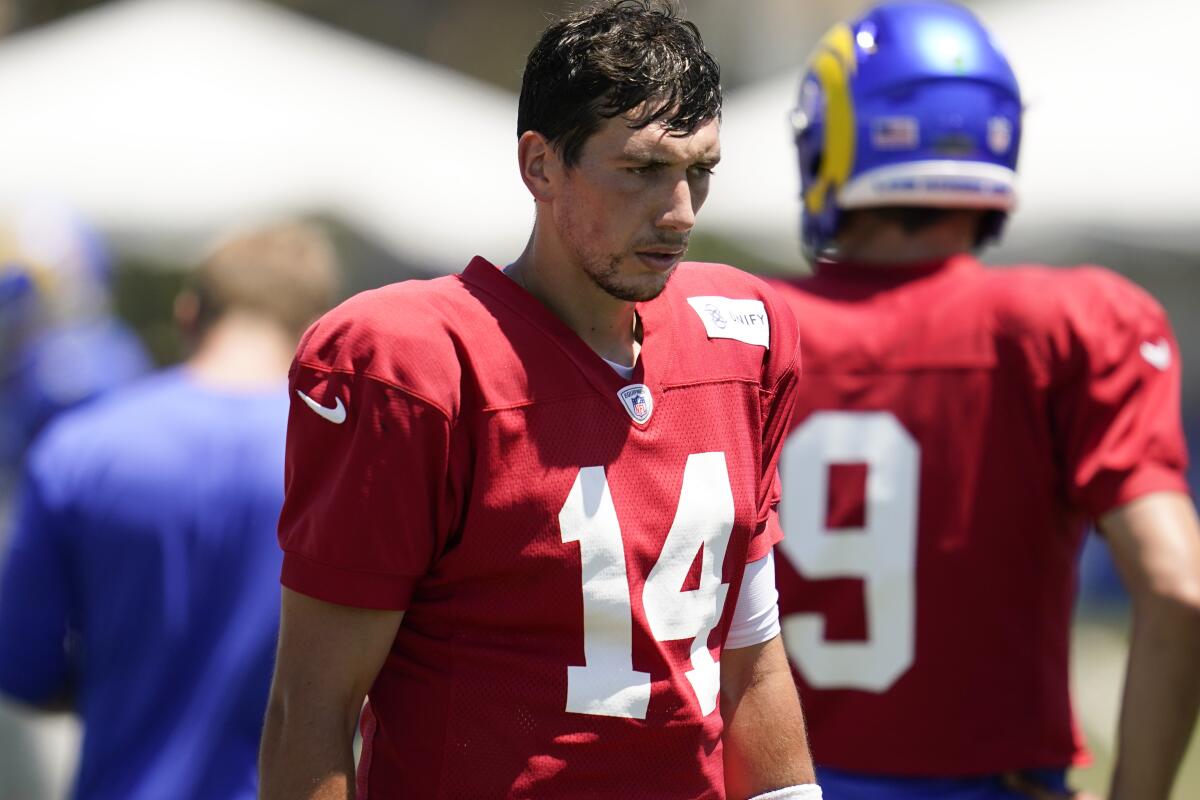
59 342
911 104
50 257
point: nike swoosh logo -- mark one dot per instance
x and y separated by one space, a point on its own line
336 415
1157 354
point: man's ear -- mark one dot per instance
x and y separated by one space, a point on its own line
187 312
540 165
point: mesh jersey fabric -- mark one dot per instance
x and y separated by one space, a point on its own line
1030 400
488 480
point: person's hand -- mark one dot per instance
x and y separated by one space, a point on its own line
1015 782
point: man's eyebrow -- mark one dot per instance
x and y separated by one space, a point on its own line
644 159
657 161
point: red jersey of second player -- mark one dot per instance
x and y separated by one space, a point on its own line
567 545
955 430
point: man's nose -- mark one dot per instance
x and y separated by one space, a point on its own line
680 212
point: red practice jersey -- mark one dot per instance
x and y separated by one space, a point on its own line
956 429
567 545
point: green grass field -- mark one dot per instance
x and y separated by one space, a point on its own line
1098 667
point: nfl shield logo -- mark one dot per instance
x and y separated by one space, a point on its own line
637 401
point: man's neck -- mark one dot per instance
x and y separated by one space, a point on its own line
889 253
606 324
242 353
874 240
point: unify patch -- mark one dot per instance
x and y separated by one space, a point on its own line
732 318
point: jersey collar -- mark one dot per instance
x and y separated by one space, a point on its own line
891 273
657 334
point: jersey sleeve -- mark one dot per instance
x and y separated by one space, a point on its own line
35 593
1116 403
779 399
366 505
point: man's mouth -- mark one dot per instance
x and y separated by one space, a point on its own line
661 258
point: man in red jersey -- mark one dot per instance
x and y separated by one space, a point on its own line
957 430
529 511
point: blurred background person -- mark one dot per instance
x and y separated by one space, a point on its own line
957 429
141 586
60 345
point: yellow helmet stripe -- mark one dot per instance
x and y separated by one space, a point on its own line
833 64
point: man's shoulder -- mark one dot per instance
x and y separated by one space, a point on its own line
407 334
409 310
107 414
1081 301
87 439
698 277
697 283
1020 299
724 303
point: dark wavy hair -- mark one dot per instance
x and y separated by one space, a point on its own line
612 58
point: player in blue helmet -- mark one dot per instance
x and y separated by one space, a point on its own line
60 344
958 430
912 105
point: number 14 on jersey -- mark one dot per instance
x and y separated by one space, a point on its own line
607 684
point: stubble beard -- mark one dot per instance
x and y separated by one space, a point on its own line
604 269
606 274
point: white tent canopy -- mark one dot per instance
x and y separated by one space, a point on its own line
1109 125
177 118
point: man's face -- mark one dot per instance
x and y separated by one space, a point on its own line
628 205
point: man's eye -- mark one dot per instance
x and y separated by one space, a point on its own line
704 171
643 170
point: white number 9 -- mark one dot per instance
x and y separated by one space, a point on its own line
882 553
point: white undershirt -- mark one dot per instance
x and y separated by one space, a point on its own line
622 370
756 615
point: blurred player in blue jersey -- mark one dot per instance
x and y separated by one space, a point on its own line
59 342
141 585
957 430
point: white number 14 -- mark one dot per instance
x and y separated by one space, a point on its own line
608 684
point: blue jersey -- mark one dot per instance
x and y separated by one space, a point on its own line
60 368
142 584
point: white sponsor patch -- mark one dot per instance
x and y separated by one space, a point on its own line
1157 354
730 318
638 402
